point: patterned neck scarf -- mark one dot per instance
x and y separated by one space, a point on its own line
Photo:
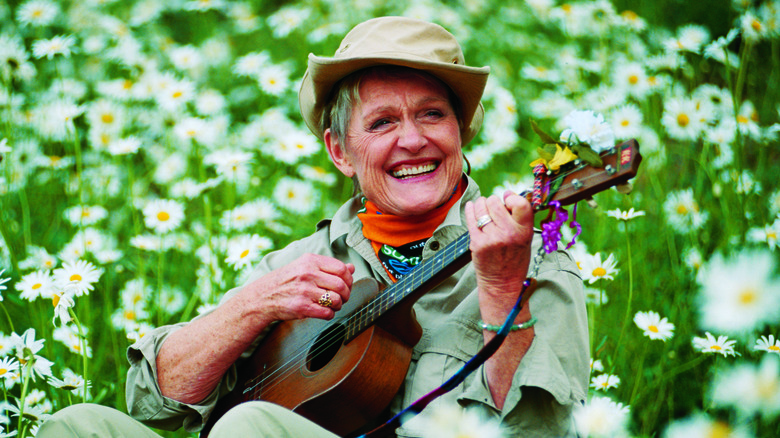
399 240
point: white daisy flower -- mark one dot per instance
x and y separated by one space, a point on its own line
700 425
37 13
70 381
682 211
163 215
601 417
79 276
8 366
124 146
35 284
287 19
251 64
452 421
292 146
653 326
55 119
174 94
106 116
70 338
627 121
274 79
244 17
604 382
593 269
767 234
682 119
85 214
296 195
186 58
210 102
625 215
317 173
232 165
750 389
753 28
242 251
768 344
63 301
596 366
739 294
631 78
58 45
721 345
588 127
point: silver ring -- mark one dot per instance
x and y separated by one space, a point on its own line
483 220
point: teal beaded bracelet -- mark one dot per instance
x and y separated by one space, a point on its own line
495 328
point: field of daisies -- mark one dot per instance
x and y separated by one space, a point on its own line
152 152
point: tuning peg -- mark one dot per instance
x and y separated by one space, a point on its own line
591 203
624 188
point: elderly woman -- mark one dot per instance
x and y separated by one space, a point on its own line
394 107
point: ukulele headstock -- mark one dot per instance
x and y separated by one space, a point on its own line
582 181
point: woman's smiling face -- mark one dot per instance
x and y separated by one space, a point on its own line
403 143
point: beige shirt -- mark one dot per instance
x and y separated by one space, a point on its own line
550 380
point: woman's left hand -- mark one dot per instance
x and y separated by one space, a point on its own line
500 248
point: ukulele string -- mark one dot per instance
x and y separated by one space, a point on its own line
278 372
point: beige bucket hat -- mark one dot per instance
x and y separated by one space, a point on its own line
397 41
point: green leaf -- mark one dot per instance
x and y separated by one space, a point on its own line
545 137
587 155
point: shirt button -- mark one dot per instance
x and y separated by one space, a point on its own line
434 245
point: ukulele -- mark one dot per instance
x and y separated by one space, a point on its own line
343 373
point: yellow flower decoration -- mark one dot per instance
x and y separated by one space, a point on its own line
562 156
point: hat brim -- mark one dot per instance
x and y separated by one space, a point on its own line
467 83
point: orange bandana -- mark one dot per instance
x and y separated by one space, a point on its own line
399 240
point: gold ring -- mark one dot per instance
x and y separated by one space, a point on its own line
483 220
325 300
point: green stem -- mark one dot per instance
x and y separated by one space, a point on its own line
627 316
27 370
26 227
158 293
7 239
83 341
8 317
639 369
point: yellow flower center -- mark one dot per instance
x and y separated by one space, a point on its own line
177 94
633 79
773 348
747 296
3 371
756 25
566 8
75 277
681 209
629 15
37 286
683 120
130 315
742 119
127 84
244 254
55 300
653 328
716 348
290 194
599 272
107 118
624 123
163 216
719 430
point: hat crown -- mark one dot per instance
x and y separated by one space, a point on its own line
401 37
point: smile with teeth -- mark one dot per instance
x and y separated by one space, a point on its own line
414 170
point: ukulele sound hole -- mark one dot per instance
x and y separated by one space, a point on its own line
325 347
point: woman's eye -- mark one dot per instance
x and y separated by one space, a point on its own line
379 123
